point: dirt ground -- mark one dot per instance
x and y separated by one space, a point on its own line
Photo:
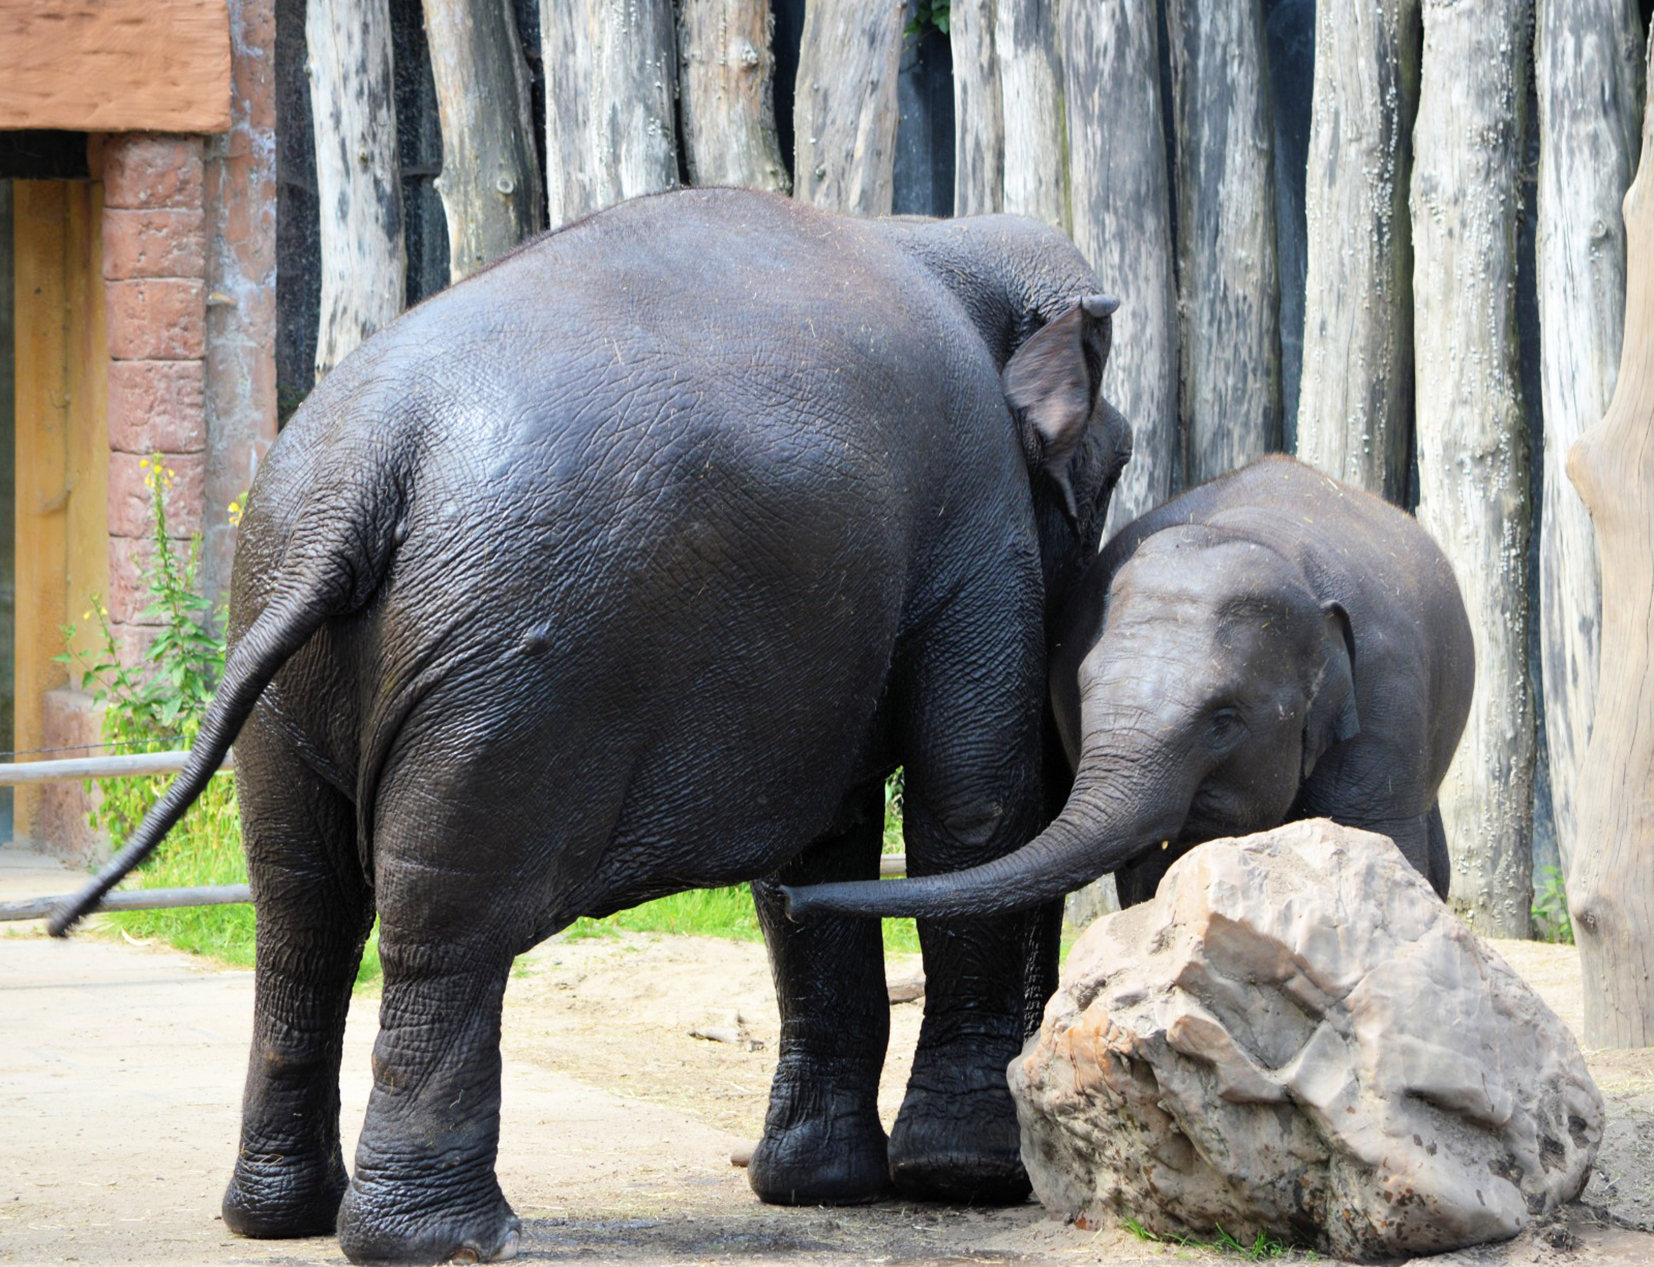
121 1078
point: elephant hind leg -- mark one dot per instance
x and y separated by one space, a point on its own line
313 911
1439 868
823 1143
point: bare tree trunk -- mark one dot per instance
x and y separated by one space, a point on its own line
978 120
845 115
1472 436
611 81
726 73
1229 293
364 261
1590 86
1122 222
490 182
1031 105
1355 401
1611 883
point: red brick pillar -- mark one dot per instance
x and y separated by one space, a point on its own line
154 268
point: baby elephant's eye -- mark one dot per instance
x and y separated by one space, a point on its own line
1225 726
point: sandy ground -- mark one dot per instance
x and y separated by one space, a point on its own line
121 1077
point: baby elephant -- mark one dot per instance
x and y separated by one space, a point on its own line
1270 646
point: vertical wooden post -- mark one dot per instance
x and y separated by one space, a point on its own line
1590 81
1611 882
611 88
364 262
1122 222
978 119
1228 292
1355 400
490 182
1031 101
1472 435
726 73
845 113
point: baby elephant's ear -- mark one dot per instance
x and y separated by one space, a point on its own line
1332 717
1052 383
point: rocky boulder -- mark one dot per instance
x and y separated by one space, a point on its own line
1297 1037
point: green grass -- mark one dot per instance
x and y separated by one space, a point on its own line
205 848
714 913
1262 1246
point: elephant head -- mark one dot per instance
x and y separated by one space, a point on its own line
1195 687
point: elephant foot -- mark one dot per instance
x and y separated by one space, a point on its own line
820 1146
956 1138
275 1196
411 1225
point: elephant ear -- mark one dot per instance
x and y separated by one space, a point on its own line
1052 383
1332 717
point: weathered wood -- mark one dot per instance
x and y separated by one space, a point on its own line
490 182
133 900
1590 81
565 57
1611 882
845 111
1031 105
115 65
1122 222
978 122
1472 435
726 75
611 84
1228 296
364 262
1355 401
119 766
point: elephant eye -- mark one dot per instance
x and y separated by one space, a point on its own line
1225 727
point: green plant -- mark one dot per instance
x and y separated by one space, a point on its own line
155 703
160 704
927 14
1550 907
1262 1246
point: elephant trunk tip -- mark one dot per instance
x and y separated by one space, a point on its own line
797 904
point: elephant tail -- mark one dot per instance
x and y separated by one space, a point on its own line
334 562
279 632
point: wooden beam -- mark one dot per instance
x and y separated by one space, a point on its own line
1611 882
1228 292
1355 399
1472 433
115 65
845 111
1590 83
726 74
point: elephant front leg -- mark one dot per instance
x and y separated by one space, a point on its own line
424 1189
823 1143
313 913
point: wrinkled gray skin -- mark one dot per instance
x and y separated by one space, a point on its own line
634 564
1273 645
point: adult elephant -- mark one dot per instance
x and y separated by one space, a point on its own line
1269 646
632 564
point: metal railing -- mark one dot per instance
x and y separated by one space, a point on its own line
127 766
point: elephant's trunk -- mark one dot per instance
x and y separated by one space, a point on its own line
1101 828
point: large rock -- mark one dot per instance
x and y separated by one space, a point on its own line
1297 1037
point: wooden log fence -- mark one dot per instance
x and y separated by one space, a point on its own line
1144 130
